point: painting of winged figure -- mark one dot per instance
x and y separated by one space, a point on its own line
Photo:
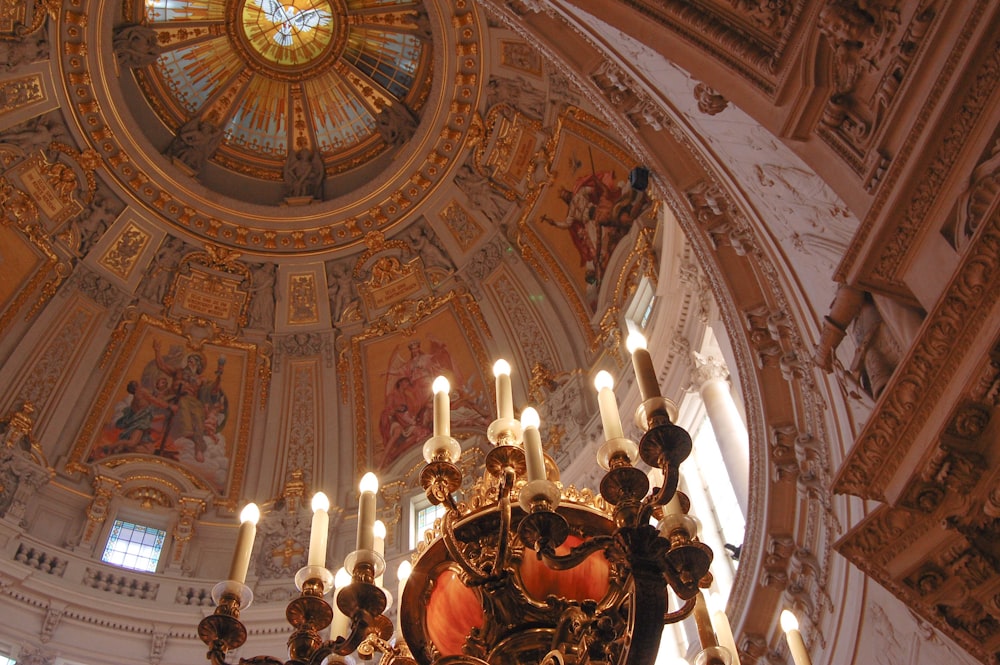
595 201
406 417
174 402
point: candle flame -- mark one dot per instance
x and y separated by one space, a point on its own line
788 621
635 340
603 380
440 385
250 513
530 418
369 483
320 502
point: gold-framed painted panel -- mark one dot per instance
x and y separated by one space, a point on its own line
393 374
586 210
181 401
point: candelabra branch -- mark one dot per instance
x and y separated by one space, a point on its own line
661 496
681 613
440 479
665 446
217 653
576 555
471 572
506 487
391 654
686 566
222 630
364 604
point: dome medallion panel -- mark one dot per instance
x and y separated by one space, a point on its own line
290 42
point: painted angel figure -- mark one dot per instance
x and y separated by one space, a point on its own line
407 416
289 21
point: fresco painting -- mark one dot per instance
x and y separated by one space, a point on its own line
589 208
400 391
178 403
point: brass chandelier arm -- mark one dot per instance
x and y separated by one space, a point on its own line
391 654
576 556
475 575
217 653
506 486
343 646
471 572
681 613
662 495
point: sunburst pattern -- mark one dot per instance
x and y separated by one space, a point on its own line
281 75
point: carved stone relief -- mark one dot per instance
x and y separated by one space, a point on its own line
710 102
162 269
20 93
871 58
32 47
135 46
947 500
396 124
193 145
518 93
342 291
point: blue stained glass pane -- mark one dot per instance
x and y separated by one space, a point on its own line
134 546
389 59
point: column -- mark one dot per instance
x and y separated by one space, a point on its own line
711 378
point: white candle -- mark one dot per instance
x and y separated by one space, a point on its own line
642 363
320 530
341 622
533 456
366 511
673 507
723 631
442 407
379 531
505 400
796 645
244 543
402 574
609 407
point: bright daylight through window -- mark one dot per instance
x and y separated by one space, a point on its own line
133 546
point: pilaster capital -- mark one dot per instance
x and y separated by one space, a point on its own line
707 368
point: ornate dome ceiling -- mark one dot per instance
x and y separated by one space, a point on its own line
309 201
290 93
282 104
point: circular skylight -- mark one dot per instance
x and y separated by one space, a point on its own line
295 34
276 79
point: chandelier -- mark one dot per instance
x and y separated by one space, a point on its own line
523 571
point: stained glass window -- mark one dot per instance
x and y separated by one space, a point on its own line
289 32
273 76
388 58
134 546
424 521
